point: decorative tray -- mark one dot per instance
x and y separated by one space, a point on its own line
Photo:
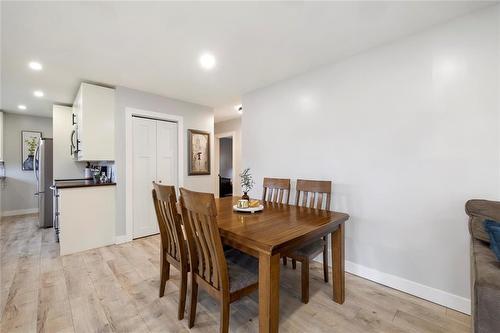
249 209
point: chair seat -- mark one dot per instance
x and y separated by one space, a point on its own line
243 269
309 250
226 248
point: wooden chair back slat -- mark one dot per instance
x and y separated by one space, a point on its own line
172 233
280 196
304 199
318 191
204 258
204 242
276 190
200 250
170 241
320 201
209 231
169 221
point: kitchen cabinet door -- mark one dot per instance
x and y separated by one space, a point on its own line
94 109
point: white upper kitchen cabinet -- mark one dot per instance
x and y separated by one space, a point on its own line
94 123
64 166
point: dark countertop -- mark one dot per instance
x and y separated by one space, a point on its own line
72 183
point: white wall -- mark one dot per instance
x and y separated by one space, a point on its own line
232 126
18 192
407 133
64 165
194 117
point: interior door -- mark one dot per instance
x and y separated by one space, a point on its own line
166 148
144 173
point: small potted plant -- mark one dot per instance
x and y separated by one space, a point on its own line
247 183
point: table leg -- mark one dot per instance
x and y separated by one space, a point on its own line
338 273
269 292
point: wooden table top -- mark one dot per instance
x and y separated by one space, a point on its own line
279 228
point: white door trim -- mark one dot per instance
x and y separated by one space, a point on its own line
217 158
129 113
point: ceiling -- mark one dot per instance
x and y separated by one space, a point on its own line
154 46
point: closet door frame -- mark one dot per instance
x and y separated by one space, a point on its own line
129 113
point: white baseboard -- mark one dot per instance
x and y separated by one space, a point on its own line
434 295
20 212
122 239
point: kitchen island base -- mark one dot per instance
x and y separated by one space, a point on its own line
86 218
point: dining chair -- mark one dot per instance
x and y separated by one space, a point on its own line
313 194
173 244
226 276
276 190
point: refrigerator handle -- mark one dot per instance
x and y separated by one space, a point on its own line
35 162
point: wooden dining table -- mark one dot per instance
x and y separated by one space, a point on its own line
271 234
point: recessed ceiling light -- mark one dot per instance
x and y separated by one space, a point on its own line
21 107
38 93
36 66
207 61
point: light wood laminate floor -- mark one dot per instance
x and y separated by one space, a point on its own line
115 289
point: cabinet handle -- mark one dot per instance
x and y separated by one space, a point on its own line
72 137
73 122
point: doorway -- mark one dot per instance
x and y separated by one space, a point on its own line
226 169
154 158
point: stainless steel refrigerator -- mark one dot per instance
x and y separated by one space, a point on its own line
42 168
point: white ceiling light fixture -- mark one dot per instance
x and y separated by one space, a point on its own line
36 66
38 93
207 61
21 107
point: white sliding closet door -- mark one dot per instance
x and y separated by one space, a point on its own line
144 173
154 159
166 152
